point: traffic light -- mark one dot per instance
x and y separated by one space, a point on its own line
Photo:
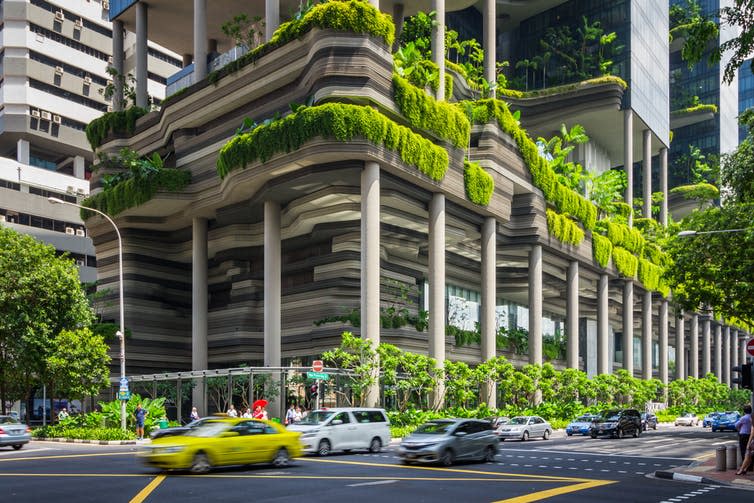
744 381
313 391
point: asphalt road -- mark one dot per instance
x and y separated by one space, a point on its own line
574 469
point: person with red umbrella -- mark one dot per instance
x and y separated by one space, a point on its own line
259 409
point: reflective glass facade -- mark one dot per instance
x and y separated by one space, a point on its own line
745 94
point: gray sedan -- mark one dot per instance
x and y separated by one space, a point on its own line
13 433
525 427
447 440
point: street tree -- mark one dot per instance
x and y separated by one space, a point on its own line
40 296
78 363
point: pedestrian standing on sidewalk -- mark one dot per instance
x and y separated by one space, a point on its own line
743 426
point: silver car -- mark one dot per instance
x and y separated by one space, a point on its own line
525 427
13 433
446 440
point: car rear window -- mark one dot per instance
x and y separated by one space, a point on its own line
369 416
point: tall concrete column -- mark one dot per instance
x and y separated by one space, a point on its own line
118 56
646 336
680 349
718 348
272 298
726 355
628 326
200 39
535 305
694 346
602 325
79 167
438 44
199 306
706 343
398 21
664 185
370 264
489 301
646 165
437 288
142 96
663 342
22 151
489 32
628 158
271 17
572 315
742 348
734 361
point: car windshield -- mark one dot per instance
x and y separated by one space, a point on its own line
210 429
7 420
611 415
730 415
317 417
434 428
584 419
519 420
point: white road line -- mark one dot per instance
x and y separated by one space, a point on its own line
375 483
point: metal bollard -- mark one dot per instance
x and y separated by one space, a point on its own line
720 464
732 457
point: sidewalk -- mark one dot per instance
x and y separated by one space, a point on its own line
704 471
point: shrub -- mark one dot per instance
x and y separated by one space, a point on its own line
478 183
123 122
625 262
563 228
602 249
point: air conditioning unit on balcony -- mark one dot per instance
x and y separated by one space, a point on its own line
59 16
109 60
46 116
70 230
79 24
88 80
59 70
56 119
80 191
80 232
2 218
106 4
109 108
70 190
80 263
35 113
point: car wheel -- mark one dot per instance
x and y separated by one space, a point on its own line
593 435
17 446
619 433
407 462
489 454
637 432
546 435
447 457
525 436
200 464
375 445
324 448
281 458
713 430
569 434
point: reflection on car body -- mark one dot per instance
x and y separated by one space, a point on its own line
447 440
180 430
222 442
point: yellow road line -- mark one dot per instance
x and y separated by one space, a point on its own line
450 470
357 477
118 475
30 458
148 489
557 491
704 456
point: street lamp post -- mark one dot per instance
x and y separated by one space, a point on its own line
121 334
684 234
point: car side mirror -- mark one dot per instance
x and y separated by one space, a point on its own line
336 422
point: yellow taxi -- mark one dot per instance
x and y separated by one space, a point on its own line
223 442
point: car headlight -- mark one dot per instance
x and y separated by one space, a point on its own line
172 449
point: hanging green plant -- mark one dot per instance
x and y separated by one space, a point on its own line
563 228
602 249
123 122
649 274
626 262
339 121
627 237
478 183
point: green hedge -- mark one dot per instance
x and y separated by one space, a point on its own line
355 16
478 183
423 111
123 122
563 228
63 431
625 261
624 236
339 121
136 191
650 275
701 191
602 249
550 91
543 176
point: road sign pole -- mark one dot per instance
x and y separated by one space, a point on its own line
316 399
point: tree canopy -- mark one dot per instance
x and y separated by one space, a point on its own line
40 296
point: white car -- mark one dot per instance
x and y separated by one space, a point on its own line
344 429
525 427
687 419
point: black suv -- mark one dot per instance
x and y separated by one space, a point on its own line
617 423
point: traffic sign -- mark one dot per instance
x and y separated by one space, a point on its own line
750 347
317 366
318 375
124 394
124 382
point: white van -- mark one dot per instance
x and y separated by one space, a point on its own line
344 429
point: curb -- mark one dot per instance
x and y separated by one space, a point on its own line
80 441
688 478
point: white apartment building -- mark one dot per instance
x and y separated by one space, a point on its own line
54 57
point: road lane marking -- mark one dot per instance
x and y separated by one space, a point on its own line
148 489
37 458
375 483
557 491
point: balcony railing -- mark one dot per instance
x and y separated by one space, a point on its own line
186 76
